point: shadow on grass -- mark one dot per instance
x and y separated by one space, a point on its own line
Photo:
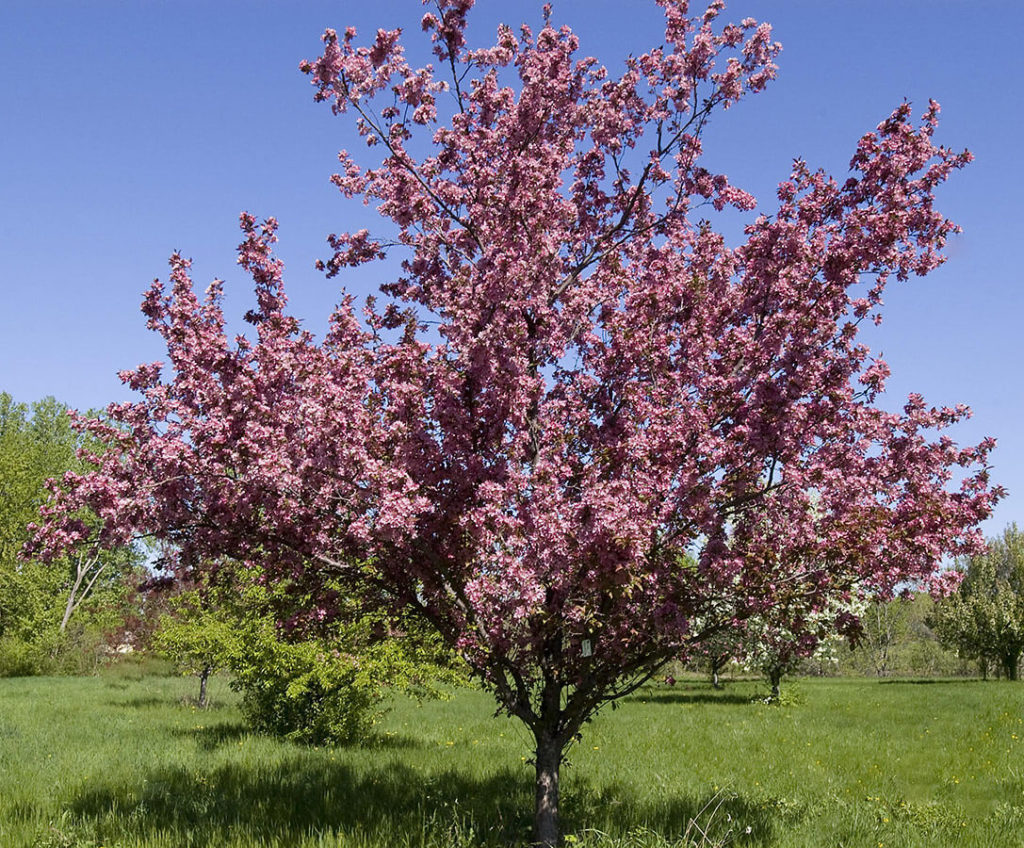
212 737
692 696
143 702
928 681
282 804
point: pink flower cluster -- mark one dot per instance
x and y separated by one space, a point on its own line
621 432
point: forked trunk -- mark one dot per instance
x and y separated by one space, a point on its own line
545 816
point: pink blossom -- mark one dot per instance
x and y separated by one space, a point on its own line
619 428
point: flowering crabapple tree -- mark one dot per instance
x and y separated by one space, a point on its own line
580 433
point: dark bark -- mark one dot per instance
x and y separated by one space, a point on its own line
775 678
204 677
717 664
1010 663
545 817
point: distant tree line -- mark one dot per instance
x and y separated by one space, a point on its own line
978 629
984 621
58 616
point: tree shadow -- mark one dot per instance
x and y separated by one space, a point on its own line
143 702
927 681
283 803
692 696
213 737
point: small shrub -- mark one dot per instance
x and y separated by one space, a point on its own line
19 658
331 689
305 693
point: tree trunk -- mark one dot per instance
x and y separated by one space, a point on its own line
717 664
545 817
82 566
68 609
204 676
775 678
1010 662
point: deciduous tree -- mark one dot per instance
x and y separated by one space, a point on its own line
37 602
776 643
581 433
202 630
984 620
886 622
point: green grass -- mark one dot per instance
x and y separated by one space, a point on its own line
118 761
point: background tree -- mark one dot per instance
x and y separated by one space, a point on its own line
984 620
714 653
573 383
320 682
37 599
899 640
201 631
885 622
921 652
777 645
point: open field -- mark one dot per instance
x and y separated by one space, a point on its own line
117 761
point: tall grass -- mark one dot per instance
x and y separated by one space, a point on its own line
119 761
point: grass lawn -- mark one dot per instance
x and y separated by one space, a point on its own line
117 761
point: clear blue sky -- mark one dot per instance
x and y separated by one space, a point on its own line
132 129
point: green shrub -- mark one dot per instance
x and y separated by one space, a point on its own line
19 658
78 651
306 693
325 686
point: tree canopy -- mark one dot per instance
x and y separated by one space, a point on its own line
984 620
37 599
580 433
